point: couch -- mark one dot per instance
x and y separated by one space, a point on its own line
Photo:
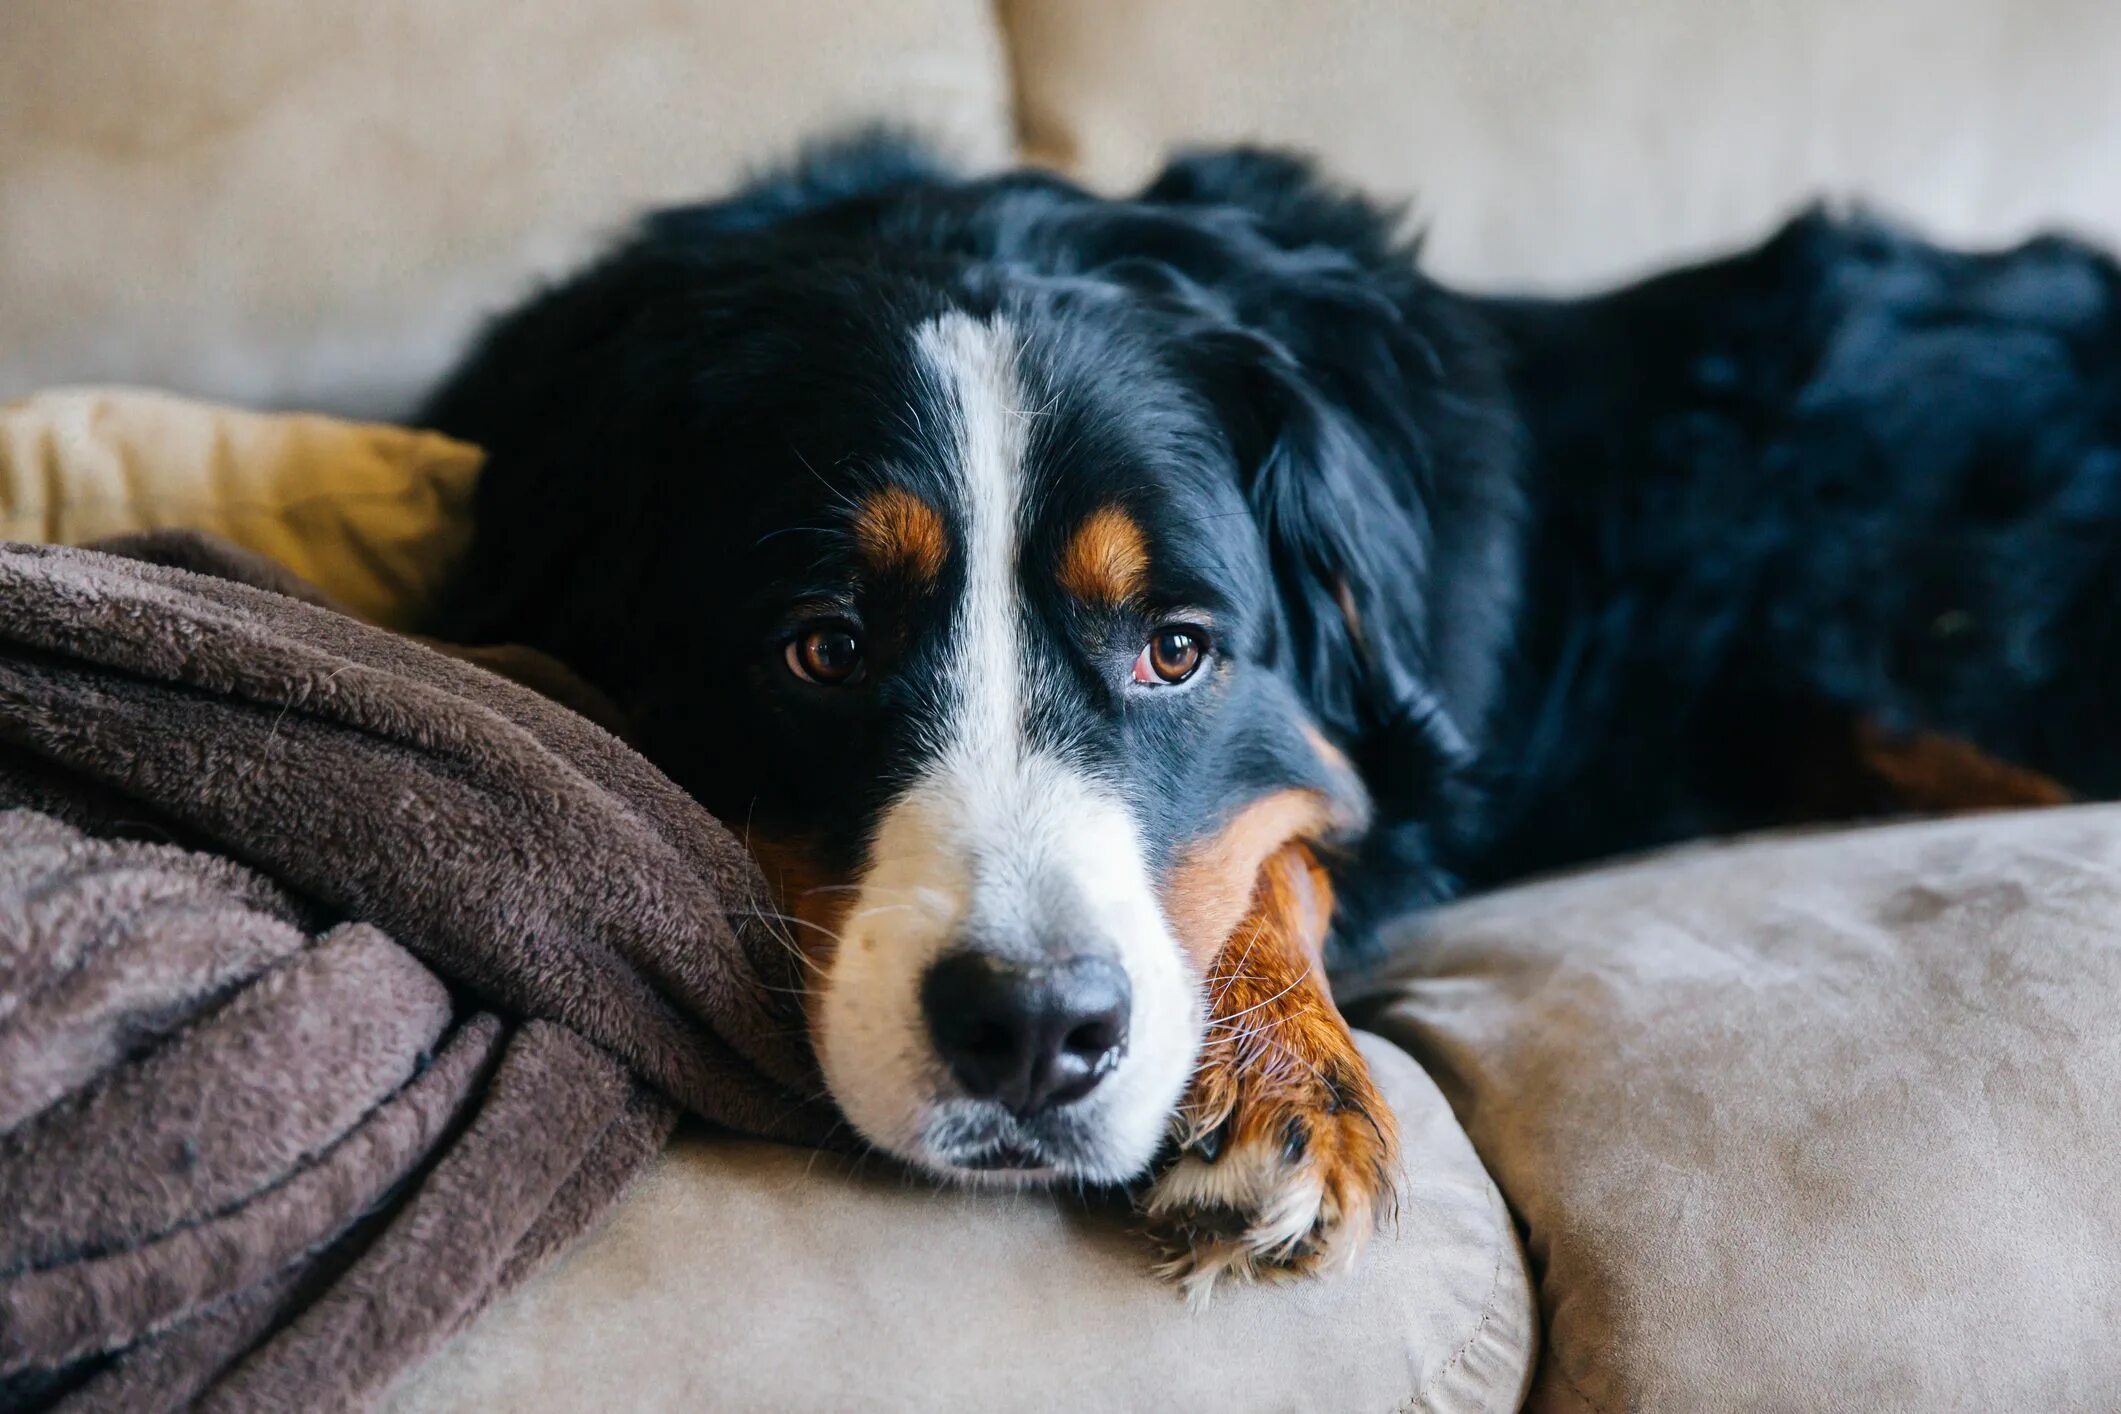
1824 1121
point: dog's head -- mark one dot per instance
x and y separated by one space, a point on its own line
1014 570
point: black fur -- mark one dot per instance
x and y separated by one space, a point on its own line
1563 578
1847 471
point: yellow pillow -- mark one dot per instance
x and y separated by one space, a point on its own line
372 515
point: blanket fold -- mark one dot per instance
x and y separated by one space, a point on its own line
341 983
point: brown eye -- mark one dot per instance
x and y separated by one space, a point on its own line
1173 654
827 654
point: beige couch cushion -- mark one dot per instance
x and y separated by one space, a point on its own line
308 205
746 1276
1823 1123
1559 142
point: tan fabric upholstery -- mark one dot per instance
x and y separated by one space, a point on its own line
1559 142
1827 1123
866 1291
308 205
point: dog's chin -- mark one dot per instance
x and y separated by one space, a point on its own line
1003 1166
981 1144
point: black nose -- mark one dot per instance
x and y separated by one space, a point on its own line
1031 1035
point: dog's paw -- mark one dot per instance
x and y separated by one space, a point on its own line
1287 1157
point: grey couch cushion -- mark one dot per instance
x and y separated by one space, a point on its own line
1820 1123
744 1275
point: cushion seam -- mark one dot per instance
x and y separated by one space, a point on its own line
1487 1314
1577 1389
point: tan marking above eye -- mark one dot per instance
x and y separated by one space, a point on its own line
899 533
1106 561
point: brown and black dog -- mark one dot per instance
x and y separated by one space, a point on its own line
1089 608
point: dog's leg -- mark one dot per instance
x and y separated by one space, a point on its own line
1287 1154
1942 775
1839 765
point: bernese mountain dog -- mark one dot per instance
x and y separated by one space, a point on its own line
1093 611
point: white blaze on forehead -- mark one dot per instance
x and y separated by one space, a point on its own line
974 366
997 841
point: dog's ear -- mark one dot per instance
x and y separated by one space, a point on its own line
867 162
549 479
1368 415
591 375
1290 204
1352 548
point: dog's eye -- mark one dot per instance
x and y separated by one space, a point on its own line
828 654
1172 655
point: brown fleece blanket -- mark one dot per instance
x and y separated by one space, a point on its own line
341 982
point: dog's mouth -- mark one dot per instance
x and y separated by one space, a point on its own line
1005 1157
982 1142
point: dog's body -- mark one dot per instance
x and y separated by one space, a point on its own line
1847 475
1047 584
